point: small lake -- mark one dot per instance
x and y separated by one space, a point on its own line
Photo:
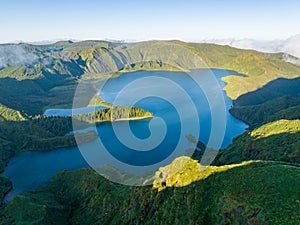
29 170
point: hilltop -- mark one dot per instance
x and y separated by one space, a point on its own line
253 181
44 72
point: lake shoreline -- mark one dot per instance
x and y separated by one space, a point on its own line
124 119
71 165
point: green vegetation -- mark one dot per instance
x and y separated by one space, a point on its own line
275 89
259 106
183 171
255 115
278 141
5 186
31 97
42 133
256 192
36 134
9 114
275 128
63 63
273 114
291 113
115 113
233 191
97 101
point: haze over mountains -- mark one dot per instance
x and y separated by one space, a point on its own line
236 190
290 46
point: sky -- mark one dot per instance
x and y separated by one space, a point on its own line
187 20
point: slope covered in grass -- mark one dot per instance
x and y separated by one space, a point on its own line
257 107
279 141
274 89
277 137
256 193
62 62
291 113
9 114
273 114
255 115
36 134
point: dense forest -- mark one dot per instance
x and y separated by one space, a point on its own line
253 181
235 190
114 113
40 133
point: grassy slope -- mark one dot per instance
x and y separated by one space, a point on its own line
257 107
279 140
84 198
255 115
256 193
10 114
260 68
37 134
291 113
274 89
67 61
275 120
30 97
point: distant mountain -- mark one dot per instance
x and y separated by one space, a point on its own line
236 190
290 46
49 66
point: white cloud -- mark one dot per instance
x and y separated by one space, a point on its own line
11 55
290 46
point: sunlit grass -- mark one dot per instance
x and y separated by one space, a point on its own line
277 127
183 171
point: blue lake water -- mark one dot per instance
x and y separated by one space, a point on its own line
29 170
70 112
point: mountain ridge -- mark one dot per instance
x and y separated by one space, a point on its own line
96 57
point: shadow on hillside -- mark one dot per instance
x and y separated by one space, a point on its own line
31 96
279 147
274 89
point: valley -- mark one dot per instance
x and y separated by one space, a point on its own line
253 179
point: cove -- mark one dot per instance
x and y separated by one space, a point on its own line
29 170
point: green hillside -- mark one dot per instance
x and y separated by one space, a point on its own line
255 115
274 125
253 181
291 113
278 141
257 107
274 89
43 133
10 114
63 63
255 193
37 134
5 186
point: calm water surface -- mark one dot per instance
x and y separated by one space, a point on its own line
29 170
